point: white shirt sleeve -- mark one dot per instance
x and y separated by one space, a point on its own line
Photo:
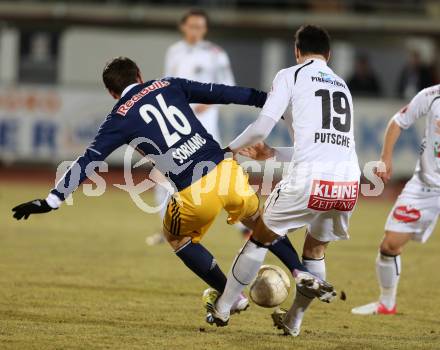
254 133
223 72
417 108
278 98
276 104
283 154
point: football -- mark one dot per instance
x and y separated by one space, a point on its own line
271 286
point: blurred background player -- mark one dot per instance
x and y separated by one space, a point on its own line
197 59
416 210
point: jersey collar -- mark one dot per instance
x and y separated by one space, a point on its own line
128 88
317 60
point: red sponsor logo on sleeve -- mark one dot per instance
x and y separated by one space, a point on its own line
405 213
337 195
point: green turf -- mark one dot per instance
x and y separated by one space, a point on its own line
83 278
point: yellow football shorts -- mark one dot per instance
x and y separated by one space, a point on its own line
192 211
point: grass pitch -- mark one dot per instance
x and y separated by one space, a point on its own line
83 278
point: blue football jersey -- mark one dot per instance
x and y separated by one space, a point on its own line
155 117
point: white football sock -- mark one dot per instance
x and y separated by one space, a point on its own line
388 270
302 301
244 269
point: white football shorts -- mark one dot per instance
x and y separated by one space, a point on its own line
323 206
416 210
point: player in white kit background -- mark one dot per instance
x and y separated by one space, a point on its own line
321 187
415 213
195 58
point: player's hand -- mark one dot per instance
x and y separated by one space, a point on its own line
387 171
259 151
37 206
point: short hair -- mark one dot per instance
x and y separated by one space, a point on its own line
118 73
194 12
312 39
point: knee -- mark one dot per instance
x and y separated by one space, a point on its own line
390 247
176 242
262 234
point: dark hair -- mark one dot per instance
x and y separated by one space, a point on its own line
311 39
194 12
118 73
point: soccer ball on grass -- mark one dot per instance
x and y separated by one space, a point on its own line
271 286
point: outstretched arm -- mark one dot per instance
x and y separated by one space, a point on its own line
209 93
223 75
254 133
110 136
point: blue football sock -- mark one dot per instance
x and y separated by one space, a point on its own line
200 261
284 250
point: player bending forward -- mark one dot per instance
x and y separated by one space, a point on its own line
321 188
416 210
156 118
195 58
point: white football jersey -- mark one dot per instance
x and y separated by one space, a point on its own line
204 62
321 117
425 104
